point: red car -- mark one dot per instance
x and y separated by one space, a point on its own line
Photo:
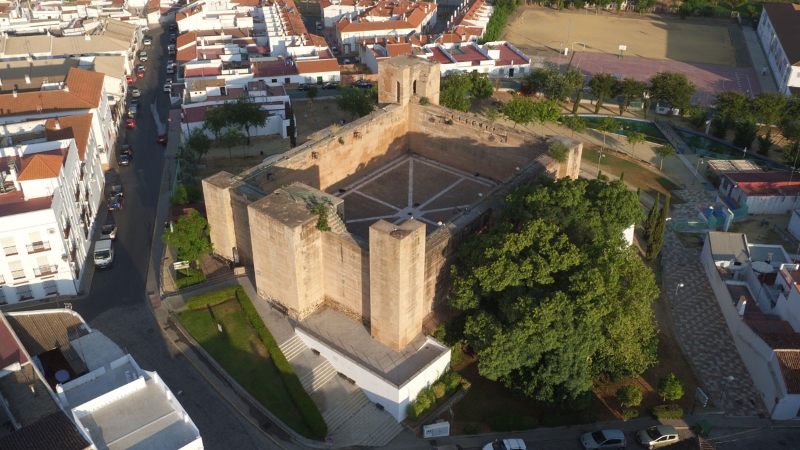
162 138
129 79
140 71
130 123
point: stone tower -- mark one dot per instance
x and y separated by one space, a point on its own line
406 76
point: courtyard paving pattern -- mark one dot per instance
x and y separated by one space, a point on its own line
703 333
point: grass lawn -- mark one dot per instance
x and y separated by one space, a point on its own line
240 352
651 181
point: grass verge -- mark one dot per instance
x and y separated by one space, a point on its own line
184 279
638 175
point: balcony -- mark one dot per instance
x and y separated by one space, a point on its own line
86 197
2 280
67 229
18 274
73 254
38 247
24 293
11 250
45 270
77 193
85 231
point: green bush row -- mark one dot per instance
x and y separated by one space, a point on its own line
301 398
195 276
509 423
570 418
427 398
630 413
668 412
502 11
212 298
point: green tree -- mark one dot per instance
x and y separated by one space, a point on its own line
791 153
179 197
629 89
199 142
520 110
601 86
312 92
481 86
670 388
673 88
575 123
246 114
769 107
733 106
630 395
664 151
453 91
765 143
546 111
735 3
357 102
635 137
644 5
216 120
698 118
719 127
558 151
745 133
575 79
231 138
292 129
578 99
606 125
657 236
537 287
190 236
652 217
536 81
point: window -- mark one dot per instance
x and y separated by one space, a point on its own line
2 296
24 292
50 287
274 80
9 246
17 271
287 80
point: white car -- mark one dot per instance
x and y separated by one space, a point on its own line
170 69
136 93
168 88
604 440
657 436
319 25
347 61
505 444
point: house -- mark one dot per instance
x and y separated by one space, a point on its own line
67 375
779 33
756 287
761 192
52 185
385 19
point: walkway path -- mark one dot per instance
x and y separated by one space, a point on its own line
759 60
703 333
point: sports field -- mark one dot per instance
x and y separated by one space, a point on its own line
536 30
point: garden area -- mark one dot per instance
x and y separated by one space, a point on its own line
246 350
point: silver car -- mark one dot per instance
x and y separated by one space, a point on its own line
658 436
604 440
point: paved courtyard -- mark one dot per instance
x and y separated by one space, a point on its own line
411 186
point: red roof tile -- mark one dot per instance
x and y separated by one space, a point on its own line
84 92
317 65
41 166
76 127
10 351
790 369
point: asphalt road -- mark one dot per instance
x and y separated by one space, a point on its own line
116 304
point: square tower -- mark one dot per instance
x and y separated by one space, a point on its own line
405 76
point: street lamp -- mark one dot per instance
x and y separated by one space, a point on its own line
728 379
599 155
699 161
672 304
646 97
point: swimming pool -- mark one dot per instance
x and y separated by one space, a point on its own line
717 149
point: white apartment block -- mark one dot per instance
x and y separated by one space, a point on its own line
218 14
779 33
385 19
34 16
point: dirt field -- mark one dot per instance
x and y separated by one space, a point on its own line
537 29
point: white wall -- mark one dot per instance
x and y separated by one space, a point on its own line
783 72
794 224
394 399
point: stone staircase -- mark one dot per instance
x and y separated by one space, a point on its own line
353 419
335 222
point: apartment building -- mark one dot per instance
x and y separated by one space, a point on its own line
779 33
40 16
385 19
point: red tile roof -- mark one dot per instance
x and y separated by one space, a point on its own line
202 72
52 432
76 127
86 85
399 49
317 65
765 184
508 56
10 351
83 91
790 369
273 68
41 166
15 203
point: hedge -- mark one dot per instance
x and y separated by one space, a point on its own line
503 9
509 423
301 398
212 298
195 276
573 418
428 398
667 412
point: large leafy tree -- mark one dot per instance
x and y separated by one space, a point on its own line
453 91
674 88
629 89
199 142
521 110
602 86
357 102
547 111
536 81
480 86
216 120
551 294
733 106
575 123
769 106
246 114
190 236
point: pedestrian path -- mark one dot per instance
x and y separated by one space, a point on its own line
703 333
759 60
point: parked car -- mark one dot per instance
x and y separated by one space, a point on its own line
330 85
129 79
604 440
148 40
108 232
130 123
658 436
347 61
363 84
132 112
170 70
171 49
303 87
319 25
103 254
140 70
162 138
173 38
168 87
505 444
125 156
135 92
115 202
173 27
142 56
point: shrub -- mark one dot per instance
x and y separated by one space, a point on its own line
510 423
194 193
438 389
465 384
212 298
415 410
183 280
629 395
558 151
429 396
667 412
451 381
670 388
341 140
307 407
570 418
456 355
448 121
472 428
630 413
424 101
180 196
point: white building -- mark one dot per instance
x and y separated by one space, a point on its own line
385 19
758 293
761 192
50 198
779 33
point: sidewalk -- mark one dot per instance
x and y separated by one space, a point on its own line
759 60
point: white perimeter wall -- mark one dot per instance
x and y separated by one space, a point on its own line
394 399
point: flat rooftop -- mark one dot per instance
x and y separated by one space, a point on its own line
352 340
411 186
144 420
112 379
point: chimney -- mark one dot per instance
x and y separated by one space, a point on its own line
66 88
88 37
58 125
27 79
16 90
